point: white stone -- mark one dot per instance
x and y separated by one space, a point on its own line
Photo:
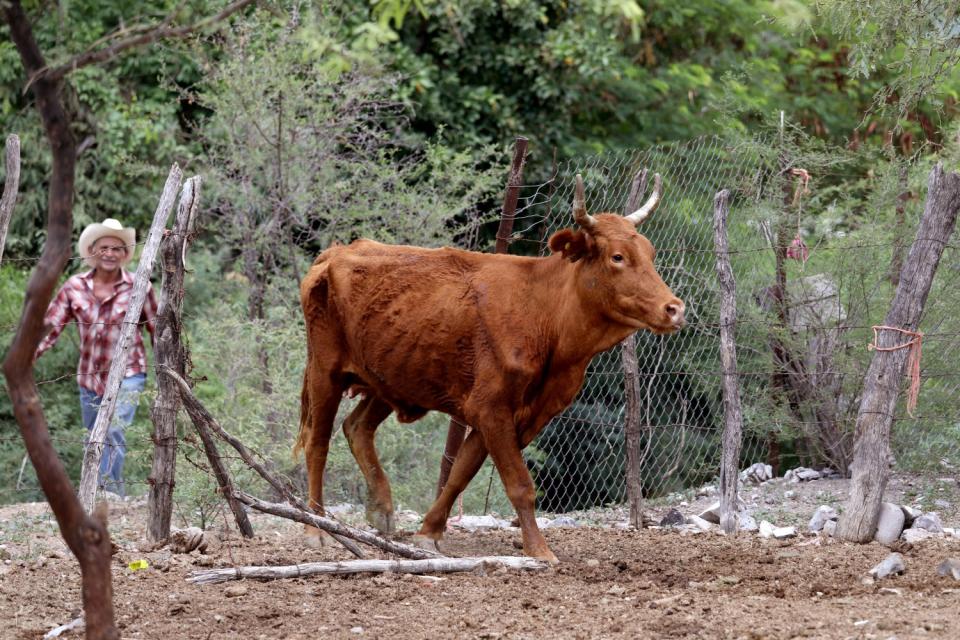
891 565
821 516
913 536
781 533
910 514
562 522
808 474
830 527
747 522
889 524
949 567
930 522
789 494
790 476
474 523
766 529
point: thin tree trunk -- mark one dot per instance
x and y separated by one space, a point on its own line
168 352
871 457
631 390
733 415
11 185
347 567
86 536
90 470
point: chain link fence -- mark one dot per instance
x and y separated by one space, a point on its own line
802 350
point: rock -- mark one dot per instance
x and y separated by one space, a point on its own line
593 563
943 504
562 522
910 514
781 533
766 529
913 536
475 523
930 522
747 522
706 490
235 591
789 495
889 523
700 523
949 567
712 513
830 527
186 540
821 516
673 519
805 475
790 476
891 565
757 473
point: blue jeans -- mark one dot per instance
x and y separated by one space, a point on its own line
115 444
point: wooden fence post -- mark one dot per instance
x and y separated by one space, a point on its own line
168 351
871 454
89 473
733 415
11 185
631 391
456 431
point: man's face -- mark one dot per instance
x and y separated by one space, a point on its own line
108 253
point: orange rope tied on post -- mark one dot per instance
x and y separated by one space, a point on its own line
916 344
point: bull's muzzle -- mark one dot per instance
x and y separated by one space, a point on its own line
675 312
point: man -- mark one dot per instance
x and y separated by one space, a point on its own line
97 301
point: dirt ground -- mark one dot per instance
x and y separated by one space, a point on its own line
612 583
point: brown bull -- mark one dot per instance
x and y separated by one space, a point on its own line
498 342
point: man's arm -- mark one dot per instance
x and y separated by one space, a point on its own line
59 314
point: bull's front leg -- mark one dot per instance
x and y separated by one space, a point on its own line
505 451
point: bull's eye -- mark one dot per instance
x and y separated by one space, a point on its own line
617 257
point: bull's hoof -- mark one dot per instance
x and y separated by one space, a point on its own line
383 522
545 556
422 541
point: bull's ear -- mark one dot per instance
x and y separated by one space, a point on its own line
572 244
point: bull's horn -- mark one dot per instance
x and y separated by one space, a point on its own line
650 205
580 215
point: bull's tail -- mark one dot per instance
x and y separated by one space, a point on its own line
304 414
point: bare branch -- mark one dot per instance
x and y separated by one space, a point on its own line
10 187
160 32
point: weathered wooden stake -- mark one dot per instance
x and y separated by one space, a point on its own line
456 432
871 454
168 352
631 379
733 415
89 473
11 186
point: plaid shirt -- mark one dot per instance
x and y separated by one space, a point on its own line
99 324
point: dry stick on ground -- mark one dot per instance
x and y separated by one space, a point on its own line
194 405
733 415
11 185
432 565
332 526
871 454
631 380
89 473
168 352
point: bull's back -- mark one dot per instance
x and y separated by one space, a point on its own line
407 319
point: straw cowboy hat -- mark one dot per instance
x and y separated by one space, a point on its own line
107 228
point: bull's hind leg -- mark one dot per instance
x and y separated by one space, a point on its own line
465 466
360 427
321 398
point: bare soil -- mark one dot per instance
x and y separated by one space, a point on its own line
611 583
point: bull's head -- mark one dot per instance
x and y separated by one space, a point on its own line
615 270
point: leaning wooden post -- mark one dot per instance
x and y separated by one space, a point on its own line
456 431
871 453
168 352
89 473
11 185
733 415
631 379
